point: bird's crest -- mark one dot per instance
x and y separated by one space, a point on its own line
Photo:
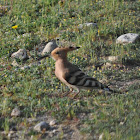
60 52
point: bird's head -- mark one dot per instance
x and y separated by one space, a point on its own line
61 53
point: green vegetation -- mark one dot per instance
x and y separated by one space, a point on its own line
29 23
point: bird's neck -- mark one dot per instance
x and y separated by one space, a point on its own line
62 62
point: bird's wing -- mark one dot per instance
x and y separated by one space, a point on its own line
78 78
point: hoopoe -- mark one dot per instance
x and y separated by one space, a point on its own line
71 75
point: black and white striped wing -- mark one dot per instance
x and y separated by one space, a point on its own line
78 78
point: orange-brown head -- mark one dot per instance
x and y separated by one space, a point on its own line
61 53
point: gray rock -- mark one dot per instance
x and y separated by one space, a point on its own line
23 35
4 7
25 67
20 54
14 63
121 123
127 38
107 65
12 135
49 47
42 126
90 24
101 136
54 131
113 58
26 35
15 112
112 133
52 122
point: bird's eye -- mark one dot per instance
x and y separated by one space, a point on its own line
57 52
70 47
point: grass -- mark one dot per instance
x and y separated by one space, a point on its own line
35 90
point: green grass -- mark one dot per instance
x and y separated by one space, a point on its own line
37 91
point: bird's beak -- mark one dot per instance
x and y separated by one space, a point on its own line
44 56
77 47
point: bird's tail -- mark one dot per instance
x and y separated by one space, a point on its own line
106 88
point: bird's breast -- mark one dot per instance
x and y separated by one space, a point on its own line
59 70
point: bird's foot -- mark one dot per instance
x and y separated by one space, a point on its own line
75 96
67 93
71 96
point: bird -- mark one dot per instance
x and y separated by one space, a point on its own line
71 75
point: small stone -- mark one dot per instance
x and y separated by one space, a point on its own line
90 24
12 135
3 133
14 63
26 35
38 63
112 133
25 67
15 112
20 54
42 126
23 35
107 65
53 122
113 58
121 123
33 137
101 136
127 38
54 131
16 69
49 47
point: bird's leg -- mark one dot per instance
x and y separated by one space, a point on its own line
76 93
65 94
